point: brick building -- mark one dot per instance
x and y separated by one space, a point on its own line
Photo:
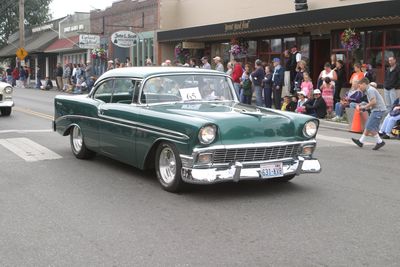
137 16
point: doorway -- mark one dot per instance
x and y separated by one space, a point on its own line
320 54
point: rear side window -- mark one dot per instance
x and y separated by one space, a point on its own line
119 90
104 91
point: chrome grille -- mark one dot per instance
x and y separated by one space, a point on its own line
222 156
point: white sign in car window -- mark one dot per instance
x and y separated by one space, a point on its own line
192 93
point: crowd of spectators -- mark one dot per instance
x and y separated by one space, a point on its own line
259 83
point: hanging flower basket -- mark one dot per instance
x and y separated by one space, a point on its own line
181 55
239 47
350 39
99 53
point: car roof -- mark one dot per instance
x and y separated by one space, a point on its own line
144 72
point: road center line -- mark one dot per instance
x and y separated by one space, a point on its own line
34 113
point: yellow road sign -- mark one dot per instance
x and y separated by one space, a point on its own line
21 53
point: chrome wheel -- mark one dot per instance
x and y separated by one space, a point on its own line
77 139
78 145
167 165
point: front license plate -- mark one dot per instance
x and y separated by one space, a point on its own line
271 170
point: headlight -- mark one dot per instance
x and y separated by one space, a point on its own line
8 90
207 134
310 129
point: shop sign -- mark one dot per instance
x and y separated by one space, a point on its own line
42 28
123 39
74 28
237 26
89 41
193 45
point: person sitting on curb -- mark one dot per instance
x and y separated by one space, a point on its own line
80 84
48 84
390 120
300 108
352 98
316 107
378 108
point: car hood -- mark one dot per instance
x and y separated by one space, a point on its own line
239 123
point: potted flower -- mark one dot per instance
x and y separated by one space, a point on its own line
99 53
181 55
239 47
350 39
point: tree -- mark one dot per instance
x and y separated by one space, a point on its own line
36 13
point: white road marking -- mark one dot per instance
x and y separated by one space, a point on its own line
28 150
26 131
338 140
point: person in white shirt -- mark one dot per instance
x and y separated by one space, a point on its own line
218 65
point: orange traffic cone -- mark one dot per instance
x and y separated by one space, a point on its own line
356 126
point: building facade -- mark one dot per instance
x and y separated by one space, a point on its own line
137 16
37 39
66 47
268 30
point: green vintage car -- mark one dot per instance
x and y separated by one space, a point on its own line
188 125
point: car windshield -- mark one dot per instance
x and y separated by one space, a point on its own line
187 87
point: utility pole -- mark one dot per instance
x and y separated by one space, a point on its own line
21 24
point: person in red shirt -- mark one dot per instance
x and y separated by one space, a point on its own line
15 76
236 75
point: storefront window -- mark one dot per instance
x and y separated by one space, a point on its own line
303 44
393 38
276 45
289 42
251 52
375 38
272 45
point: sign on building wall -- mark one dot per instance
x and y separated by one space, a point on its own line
88 41
123 38
193 45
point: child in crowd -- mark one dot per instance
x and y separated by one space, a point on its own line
307 86
286 103
300 108
292 105
328 89
246 88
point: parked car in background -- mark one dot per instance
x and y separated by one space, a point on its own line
188 125
6 101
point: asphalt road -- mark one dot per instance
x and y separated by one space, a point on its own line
70 212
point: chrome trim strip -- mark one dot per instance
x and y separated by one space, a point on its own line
255 145
139 125
255 162
159 131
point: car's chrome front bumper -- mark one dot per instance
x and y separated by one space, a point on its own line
6 104
239 171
